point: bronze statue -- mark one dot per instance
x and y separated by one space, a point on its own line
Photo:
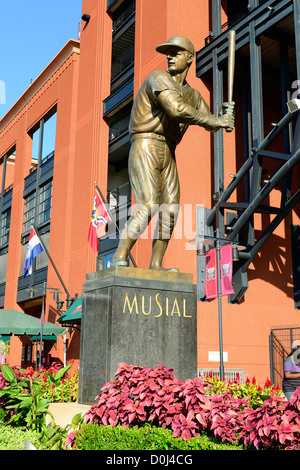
162 111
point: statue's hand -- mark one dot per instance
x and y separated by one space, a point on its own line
226 116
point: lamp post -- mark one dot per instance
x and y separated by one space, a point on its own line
59 304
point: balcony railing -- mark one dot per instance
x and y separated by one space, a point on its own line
119 196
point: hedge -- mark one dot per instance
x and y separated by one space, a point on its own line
96 437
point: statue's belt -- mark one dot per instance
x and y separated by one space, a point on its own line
152 135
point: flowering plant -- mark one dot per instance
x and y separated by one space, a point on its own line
251 389
154 395
23 394
275 425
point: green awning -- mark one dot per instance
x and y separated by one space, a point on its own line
5 338
73 314
45 338
13 322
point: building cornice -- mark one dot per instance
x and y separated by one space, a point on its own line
71 47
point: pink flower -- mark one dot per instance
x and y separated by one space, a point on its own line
268 383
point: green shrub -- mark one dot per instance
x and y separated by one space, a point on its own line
92 436
13 438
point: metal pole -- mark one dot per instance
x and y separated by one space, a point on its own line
219 304
42 322
272 376
52 262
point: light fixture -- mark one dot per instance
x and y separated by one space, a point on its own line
293 105
201 243
86 17
235 251
56 295
59 304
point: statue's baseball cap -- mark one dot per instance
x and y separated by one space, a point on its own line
176 41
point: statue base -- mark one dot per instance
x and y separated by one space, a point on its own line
137 316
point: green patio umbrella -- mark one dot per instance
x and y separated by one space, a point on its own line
13 322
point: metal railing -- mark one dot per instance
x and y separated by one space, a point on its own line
230 374
281 340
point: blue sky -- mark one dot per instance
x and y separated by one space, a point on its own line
32 32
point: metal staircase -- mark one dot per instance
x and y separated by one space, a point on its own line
239 227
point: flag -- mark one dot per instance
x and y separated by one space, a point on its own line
226 269
211 280
99 217
33 249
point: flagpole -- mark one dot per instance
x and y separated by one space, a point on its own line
112 219
52 262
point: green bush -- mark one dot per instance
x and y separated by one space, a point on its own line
13 438
92 436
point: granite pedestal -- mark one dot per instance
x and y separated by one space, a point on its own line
137 316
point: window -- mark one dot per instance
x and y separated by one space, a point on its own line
43 137
7 168
49 132
44 207
5 226
119 122
45 203
29 212
123 13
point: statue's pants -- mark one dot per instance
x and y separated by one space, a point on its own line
155 184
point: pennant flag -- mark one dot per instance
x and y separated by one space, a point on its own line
99 216
211 280
33 249
226 269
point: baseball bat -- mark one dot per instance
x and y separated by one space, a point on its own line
231 65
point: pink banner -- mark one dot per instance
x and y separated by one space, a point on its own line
226 269
211 281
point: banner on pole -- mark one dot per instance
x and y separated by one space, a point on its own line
226 269
211 272
211 280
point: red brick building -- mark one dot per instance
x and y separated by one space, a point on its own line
70 129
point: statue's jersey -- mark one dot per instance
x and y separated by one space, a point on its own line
148 115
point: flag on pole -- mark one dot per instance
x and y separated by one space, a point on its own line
211 280
99 217
33 249
226 269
